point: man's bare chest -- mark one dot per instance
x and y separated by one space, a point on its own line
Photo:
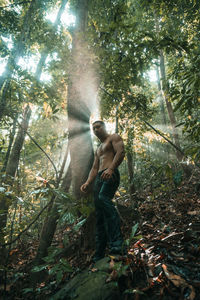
105 148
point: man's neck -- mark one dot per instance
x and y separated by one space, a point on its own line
104 137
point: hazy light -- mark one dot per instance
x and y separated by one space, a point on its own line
8 41
45 77
28 63
3 64
152 75
3 61
110 127
95 115
67 19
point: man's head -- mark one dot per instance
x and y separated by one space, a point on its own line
99 129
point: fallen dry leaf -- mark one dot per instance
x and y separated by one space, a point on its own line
93 270
113 276
192 213
178 281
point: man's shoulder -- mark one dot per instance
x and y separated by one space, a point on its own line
115 137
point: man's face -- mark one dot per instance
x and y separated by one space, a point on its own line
98 129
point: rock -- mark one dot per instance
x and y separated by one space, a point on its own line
90 285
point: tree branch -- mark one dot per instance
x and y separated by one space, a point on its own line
162 135
23 231
157 131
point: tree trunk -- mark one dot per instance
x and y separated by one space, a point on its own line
80 97
162 107
165 90
17 146
131 174
11 139
49 226
44 53
129 155
116 121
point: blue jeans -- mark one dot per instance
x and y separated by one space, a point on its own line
107 219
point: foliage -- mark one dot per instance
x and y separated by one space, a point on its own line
125 39
133 235
56 270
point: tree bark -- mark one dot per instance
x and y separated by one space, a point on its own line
130 173
17 146
79 102
165 90
11 139
116 121
49 226
161 97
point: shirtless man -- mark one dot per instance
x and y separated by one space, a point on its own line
104 171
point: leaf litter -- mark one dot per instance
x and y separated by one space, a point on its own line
163 259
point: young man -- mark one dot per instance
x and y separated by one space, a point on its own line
108 157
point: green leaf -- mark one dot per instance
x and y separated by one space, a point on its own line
59 276
138 237
38 191
127 242
55 111
39 268
49 259
134 230
67 266
54 269
65 240
28 290
79 224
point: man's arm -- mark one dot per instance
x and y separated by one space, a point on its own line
92 174
118 147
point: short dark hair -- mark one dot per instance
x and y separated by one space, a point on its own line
100 122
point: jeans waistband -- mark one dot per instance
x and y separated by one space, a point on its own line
115 171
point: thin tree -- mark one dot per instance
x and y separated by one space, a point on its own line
45 51
11 139
165 91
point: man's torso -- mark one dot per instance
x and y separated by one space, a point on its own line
105 153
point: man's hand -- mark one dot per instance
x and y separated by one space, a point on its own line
107 174
84 187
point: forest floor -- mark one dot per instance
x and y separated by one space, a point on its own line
163 260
